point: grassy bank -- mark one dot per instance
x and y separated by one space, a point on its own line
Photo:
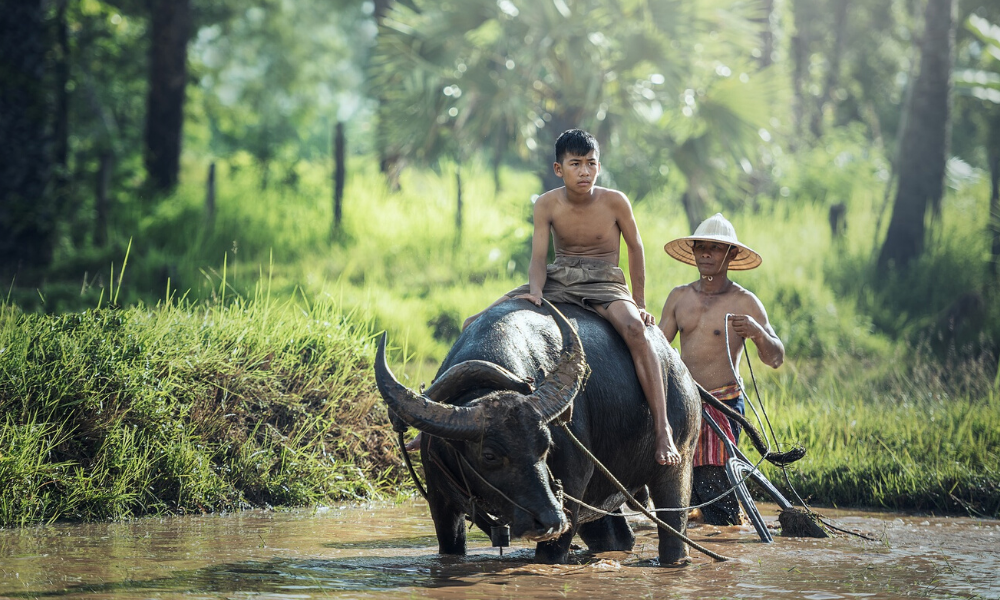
915 436
110 414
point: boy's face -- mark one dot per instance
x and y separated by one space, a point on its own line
579 173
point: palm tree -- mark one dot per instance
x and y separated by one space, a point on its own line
924 143
983 85
486 74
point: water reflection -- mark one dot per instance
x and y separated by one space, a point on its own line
386 551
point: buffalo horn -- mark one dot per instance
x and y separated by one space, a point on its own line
556 394
435 418
472 375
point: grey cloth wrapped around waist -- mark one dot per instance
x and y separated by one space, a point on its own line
583 282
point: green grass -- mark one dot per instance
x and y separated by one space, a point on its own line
110 414
899 438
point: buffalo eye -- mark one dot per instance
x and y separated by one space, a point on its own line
491 458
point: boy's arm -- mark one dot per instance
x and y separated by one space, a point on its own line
757 328
539 252
636 257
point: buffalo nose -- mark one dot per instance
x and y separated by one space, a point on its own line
550 523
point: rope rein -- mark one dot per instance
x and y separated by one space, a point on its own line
784 469
631 498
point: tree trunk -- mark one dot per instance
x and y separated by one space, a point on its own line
994 219
60 128
458 203
170 24
26 212
339 176
210 197
390 163
694 207
105 168
833 74
800 70
924 147
766 35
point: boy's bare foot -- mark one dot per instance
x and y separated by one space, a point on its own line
413 444
666 451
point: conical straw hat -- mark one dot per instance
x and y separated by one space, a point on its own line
714 229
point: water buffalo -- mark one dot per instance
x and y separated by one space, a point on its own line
492 454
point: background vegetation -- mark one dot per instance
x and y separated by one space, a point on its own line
194 333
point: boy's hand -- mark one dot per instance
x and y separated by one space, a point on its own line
536 300
647 317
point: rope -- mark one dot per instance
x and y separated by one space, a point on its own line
642 509
784 470
409 465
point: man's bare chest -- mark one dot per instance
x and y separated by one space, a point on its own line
702 315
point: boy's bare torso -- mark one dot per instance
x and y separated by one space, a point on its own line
585 227
701 322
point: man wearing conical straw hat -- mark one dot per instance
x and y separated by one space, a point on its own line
702 311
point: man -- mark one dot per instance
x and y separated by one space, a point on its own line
587 224
702 311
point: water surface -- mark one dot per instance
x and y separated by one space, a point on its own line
389 551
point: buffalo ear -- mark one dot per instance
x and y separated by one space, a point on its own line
555 395
476 375
436 418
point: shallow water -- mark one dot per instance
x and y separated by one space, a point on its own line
389 551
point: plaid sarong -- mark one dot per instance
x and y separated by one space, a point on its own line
710 449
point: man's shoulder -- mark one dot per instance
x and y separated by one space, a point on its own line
683 288
743 298
680 293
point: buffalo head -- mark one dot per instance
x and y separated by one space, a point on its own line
493 431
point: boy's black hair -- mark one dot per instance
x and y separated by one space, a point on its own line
576 142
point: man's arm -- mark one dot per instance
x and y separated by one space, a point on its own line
757 328
668 318
636 255
539 251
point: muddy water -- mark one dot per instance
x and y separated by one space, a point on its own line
388 551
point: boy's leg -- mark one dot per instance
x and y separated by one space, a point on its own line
624 317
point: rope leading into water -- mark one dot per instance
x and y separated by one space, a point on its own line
642 509
767 419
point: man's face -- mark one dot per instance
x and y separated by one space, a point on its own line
712 258
579 173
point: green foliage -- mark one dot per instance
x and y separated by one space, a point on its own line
185 408
912 435
275 77
667 82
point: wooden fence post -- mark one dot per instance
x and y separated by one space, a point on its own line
210 196
339 175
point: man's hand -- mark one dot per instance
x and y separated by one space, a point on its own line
536 300
746 326
647 317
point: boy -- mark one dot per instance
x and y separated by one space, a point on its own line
701 311
587 224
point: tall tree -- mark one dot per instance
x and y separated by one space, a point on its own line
924 144
979 90
170 22
26 212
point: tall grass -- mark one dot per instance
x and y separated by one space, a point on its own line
901 440
184 408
